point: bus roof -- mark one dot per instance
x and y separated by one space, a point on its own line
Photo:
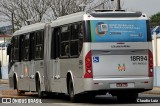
97 15
30 28
79 16
115 15
68 19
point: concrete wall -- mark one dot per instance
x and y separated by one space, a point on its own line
4 62
3 56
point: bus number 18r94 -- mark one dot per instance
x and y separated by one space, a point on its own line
138 58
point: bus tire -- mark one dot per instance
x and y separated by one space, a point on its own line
72 96
38 89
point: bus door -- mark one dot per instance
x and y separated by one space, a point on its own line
24 69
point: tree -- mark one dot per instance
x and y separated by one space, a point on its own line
155 19
22 11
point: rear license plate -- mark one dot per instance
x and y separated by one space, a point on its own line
122 85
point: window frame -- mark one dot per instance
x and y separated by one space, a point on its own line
67 47
55 43
39 44
75 39
15 49
69 41
32 46
26 47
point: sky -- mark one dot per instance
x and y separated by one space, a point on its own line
149 7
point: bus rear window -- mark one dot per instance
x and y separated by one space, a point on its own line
119 30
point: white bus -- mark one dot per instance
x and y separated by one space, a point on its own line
84 54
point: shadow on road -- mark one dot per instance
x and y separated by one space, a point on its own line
62 98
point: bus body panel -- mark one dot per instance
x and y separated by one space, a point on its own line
32 84
109 84
106 75
120 63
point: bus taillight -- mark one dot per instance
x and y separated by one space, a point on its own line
88 65
150 60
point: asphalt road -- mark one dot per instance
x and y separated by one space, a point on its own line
63 100
99 101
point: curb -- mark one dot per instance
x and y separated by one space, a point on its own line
155 91
3 81
152 93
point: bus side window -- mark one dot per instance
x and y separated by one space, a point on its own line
32 46
71 40
55 43
81 35
74 40
39 45
65 40
26 48
16 48
21 47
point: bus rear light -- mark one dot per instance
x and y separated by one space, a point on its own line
88 65
150 64
88 59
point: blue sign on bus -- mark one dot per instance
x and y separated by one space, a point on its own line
119 31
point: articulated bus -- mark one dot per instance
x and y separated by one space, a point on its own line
84 54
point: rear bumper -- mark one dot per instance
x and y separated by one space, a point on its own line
98 84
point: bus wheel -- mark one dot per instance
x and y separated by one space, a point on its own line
73 97
38 89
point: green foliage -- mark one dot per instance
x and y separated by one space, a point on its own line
155 19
